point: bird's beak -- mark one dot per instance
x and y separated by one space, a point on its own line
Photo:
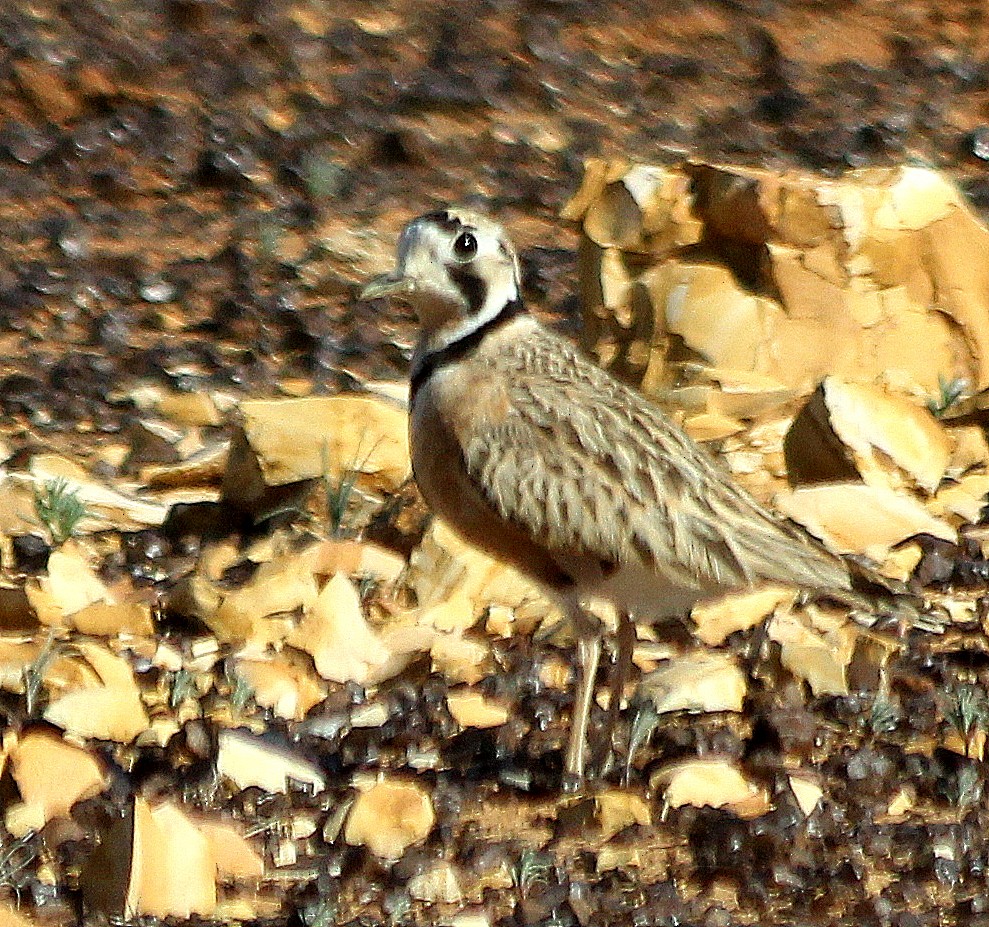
393 284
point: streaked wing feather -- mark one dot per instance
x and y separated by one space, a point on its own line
607 473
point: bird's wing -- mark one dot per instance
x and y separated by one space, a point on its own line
583 463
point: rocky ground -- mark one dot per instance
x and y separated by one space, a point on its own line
190 194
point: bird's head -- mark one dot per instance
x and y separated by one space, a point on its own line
456 268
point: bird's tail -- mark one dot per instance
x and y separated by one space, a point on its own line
883 603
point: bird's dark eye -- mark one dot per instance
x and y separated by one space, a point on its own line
465 247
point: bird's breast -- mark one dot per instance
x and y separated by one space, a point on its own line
445 414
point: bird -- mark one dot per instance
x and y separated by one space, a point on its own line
532 452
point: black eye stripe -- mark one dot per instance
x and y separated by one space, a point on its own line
475 289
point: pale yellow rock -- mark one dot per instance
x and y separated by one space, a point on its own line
739 394
711 426
460 659
964 498
902 802
438 883
370 714
470 919
167 656
247 760
205 650
669 218
217 558
295 387
389 817
122 508
711 781
824 261
556 673
59 668
616 286
236 858
795 352
592 185
268 547
194 478
615 219
901 562
500 621
969 448
51 776
344 647
497 875
648 655
282 683
879 429
395 391
617 856
917 198
860 519
804 291
456 614
959 611
876 277
107 707
285 853
620 808
159 732
69 586
699 681
444 569
359 558
909 343
153 862
471 708
190 409
17 653
280 586
110 619
744 462
299 439
703 304
972 744
11 917
21 819
819 656
173 871
304 824
807 792
719 618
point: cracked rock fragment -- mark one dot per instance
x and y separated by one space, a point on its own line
160 861
284 443
712 781
859 431
389 816
877 276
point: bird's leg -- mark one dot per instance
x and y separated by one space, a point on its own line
625 641
588 654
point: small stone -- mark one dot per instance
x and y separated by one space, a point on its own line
158 291
31 552
389 817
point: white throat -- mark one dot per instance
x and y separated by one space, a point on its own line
439 346
501 295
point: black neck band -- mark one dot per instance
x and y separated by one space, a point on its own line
457 349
